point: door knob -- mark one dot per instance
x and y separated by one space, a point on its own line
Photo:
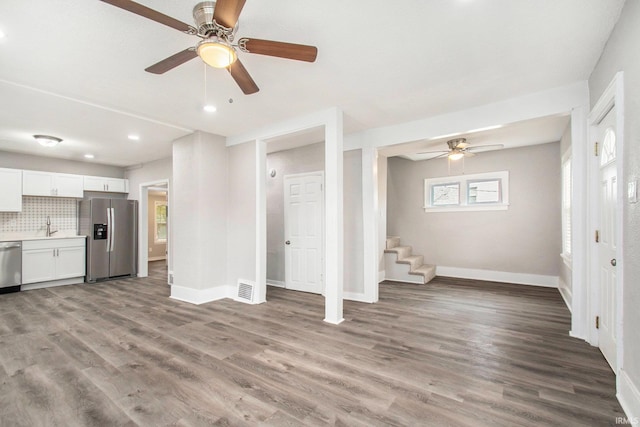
287 242
613 262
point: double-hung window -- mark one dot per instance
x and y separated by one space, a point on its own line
475 192
160 222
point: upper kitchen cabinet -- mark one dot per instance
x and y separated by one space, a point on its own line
105 184
35 183
10 190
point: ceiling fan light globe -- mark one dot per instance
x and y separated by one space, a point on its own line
47 140
456 155
216 53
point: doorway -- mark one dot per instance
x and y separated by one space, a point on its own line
303 231
605 251
154 228
607 237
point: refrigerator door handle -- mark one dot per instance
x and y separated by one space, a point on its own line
108 229
113 226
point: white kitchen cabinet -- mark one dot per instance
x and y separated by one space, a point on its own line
36 183
10 190
52 259
105 184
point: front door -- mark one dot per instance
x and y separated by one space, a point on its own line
607 236
303 228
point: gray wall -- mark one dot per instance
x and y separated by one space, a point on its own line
565 270
49 164
241 214
310 158
156 250
353 226
148 172
621 53
199 210
524 239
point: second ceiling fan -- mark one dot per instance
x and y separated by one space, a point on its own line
216 24
459 148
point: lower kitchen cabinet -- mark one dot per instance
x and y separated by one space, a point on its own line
52 259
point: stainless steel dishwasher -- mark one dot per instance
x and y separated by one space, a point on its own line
10 264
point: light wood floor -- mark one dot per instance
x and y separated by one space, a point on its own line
453 352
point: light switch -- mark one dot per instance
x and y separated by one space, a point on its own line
632 191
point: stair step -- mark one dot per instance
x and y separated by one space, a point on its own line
426 270
401 251
414 261
392 242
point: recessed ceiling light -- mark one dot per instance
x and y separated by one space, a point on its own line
89 156
209 108
134 137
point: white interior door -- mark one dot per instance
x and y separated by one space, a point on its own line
303 229
607 335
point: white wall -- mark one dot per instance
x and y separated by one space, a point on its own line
621 54
199 210
524 239
49 164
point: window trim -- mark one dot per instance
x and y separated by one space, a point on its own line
463 181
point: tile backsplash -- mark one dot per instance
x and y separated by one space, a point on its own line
33 218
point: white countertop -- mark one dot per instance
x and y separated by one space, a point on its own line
20 236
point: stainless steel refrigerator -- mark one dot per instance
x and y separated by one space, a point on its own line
111 227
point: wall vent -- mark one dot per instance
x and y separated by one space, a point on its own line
245 291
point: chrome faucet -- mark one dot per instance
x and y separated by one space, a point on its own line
49 232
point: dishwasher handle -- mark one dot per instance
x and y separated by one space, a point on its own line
10 245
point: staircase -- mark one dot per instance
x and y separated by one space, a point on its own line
402 266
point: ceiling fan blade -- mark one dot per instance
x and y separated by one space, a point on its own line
479 148
468 153
172 61
154 15
242 77
299 52
434 152
227 12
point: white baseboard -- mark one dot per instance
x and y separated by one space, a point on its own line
629 397
201 296
276 283
157 258
356 296
414 282
381 276
52 283
499 276
566 293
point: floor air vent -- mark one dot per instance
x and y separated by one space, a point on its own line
245 291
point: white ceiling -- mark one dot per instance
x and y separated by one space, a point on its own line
75 68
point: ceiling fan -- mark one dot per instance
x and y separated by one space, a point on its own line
459 148
216 24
